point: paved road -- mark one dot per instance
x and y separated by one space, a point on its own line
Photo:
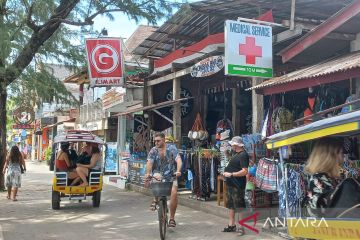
122 215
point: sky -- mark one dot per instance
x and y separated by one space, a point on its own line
122 26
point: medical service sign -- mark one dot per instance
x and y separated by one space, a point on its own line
248 49
105 61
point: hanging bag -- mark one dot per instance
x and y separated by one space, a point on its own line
267 175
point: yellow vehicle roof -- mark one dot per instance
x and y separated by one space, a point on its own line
342 125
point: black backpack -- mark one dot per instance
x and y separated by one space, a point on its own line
84 158
344 201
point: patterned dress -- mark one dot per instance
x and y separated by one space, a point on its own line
320 186
13 176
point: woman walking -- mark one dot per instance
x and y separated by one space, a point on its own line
14 162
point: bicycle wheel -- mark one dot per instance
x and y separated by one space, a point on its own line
162 215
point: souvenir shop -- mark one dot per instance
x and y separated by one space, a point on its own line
286 174
296 116
219 109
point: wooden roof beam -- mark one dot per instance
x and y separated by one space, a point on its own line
320 31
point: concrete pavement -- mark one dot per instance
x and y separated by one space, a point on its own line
122 215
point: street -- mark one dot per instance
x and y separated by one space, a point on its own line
122 215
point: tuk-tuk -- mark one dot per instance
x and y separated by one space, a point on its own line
61 188
325 228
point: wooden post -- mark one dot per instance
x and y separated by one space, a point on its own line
355 46
292 15
177 110
235 112
257 107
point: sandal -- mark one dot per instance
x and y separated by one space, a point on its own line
8 197
172 223
153 206
241 231
229 229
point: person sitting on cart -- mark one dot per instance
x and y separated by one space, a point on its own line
73 157
323 166
85 156
95 165
161 159
63 163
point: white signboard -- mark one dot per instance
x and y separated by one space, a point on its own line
208 66
248 49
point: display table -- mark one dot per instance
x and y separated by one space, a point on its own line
221 195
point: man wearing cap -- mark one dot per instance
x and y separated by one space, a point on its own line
235 175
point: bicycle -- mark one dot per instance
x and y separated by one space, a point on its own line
161 190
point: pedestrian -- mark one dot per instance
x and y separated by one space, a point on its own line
163 159
323 166
13 163
235 177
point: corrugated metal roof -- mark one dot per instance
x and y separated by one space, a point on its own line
340 64
190 23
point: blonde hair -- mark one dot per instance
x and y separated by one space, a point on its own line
324 158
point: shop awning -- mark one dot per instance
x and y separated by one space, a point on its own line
345 124
342 68
152 106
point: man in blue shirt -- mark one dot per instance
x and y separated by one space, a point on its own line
164 159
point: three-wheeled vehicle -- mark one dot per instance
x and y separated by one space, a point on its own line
61 188
344 125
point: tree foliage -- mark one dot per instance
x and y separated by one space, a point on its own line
34 32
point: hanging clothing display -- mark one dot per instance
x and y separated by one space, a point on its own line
203 175
267 175
293 182
282 120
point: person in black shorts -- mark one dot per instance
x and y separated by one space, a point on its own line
235 177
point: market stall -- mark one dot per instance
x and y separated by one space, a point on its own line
293 177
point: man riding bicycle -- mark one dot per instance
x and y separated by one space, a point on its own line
164 160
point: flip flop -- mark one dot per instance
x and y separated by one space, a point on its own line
15 200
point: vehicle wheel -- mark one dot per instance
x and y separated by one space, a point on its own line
96 198
55 200
162 215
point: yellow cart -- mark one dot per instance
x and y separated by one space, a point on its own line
60 187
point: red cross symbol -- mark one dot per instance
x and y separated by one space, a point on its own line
250 50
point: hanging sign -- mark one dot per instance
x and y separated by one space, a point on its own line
208 66
23 118
105 62
248 49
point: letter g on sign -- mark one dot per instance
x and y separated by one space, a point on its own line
104 58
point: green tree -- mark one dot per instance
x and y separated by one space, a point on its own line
36 31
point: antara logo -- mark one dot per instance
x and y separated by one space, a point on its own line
281 222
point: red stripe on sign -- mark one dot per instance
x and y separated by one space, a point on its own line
191 50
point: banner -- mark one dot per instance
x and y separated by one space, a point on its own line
105 61
111 158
